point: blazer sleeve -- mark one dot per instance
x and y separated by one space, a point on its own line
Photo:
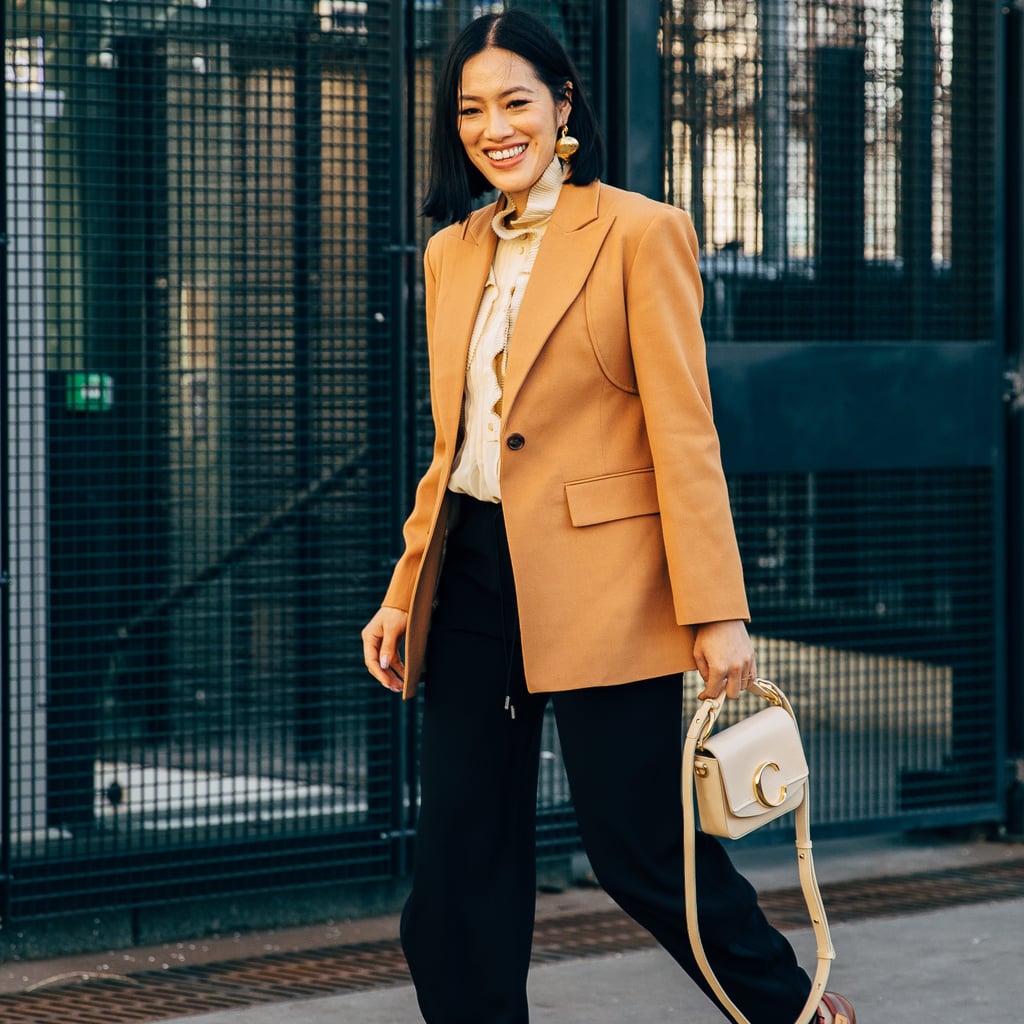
416 531
664 295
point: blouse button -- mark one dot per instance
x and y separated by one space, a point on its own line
515 442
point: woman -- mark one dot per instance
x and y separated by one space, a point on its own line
571 540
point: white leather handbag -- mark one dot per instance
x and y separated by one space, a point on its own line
745 776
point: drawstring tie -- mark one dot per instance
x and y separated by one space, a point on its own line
509 644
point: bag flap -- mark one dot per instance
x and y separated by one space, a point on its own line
761 761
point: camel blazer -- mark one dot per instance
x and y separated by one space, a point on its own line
614 499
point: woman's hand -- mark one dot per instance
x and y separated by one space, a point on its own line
380 647
725 658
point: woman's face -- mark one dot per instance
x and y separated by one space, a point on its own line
508 121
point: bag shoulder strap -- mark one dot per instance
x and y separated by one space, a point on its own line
700 725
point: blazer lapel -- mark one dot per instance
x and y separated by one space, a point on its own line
467 260
567 253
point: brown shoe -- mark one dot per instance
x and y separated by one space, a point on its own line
840 1008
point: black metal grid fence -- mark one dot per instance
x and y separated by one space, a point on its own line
830 157
216 407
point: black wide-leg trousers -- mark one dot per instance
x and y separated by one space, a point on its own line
467 927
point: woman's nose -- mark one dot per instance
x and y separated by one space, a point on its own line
497 125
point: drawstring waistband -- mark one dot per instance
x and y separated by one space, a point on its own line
468 514
509 623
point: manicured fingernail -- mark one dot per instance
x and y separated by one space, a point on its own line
384 661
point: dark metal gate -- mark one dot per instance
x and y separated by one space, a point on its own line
216 407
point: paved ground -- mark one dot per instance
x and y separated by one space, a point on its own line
947 967
953 965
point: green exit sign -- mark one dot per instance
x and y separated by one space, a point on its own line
90 392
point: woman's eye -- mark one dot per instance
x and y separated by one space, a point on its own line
468 111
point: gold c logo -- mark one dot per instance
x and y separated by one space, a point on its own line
759 792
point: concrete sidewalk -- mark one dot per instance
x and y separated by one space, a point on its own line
949 966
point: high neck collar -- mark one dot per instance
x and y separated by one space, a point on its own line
510 223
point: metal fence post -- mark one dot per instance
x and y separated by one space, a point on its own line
634 114
403 264
5 675
306 254
1011 302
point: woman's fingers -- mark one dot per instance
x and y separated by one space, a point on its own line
728 681
725 658
381 637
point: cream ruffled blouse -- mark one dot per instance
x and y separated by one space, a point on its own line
478 462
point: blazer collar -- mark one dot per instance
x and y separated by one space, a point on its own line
577 206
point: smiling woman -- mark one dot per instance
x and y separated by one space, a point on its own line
571 542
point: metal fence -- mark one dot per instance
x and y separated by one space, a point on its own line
832 160
215 409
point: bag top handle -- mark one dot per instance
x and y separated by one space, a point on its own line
712 706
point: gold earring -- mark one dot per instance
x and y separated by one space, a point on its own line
566 145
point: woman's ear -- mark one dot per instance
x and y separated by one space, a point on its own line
565 104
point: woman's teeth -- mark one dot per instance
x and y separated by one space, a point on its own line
506 154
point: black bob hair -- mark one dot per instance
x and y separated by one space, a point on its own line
453 181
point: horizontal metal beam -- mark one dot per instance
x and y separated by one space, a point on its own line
802 407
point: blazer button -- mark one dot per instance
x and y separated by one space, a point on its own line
515 442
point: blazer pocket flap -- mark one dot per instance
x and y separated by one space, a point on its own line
602 499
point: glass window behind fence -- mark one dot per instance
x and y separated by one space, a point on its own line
830 156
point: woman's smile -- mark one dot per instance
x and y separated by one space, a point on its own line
505 155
